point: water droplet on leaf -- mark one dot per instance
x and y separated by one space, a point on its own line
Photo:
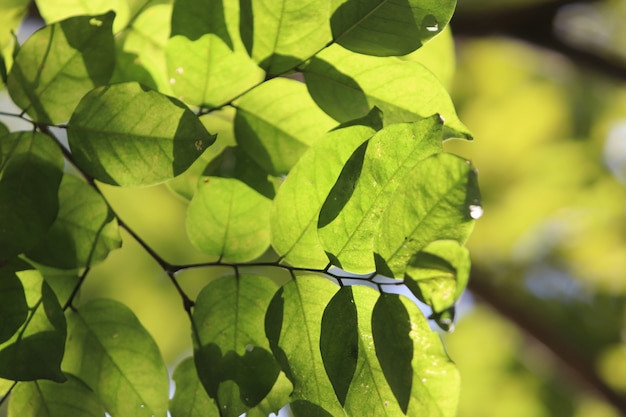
475 211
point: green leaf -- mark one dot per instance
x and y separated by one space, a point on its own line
383 27
58 64
281 34
206 72
413 359
347 85
369 389
424 211
116 357
125 134
51 399
11 14
13 306
339 340
438 56
299 199
232 354
3 130
190 399
84 232
31 167
352 211
36 349
438 274
228 219
293 326
277 121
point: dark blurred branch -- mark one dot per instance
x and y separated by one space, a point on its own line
539 327
534 24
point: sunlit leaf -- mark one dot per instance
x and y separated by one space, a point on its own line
36 349
413 359
438 274
280 34
190 399
13 306
347 85
339 341
58 64
299 199
351 214
438 56
125 134
11 14
424 211
206 72
51 399
228 219
382 27
115 356
232 354
31 167
275 400
293 326
277 121
84 231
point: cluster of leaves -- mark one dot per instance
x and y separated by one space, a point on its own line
341 174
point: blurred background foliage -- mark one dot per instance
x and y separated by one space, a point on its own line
542 331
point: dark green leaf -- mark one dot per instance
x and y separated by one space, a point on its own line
299 199
436 209
277 121
190 398
51 399
84 231
339 340
384 27
59 64
206 72
232 354
293 326
125 134
347 85
352 211
31 167
228 219
438 274
36 349
195 18
116 357
280 34
13 306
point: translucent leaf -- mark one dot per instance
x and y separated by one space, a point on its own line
293 325
347 85
190 399
369 391
31 167
277 121
232 354
115 356
59 63
413 359
11 14
275 400
422 211
299 199
51 399
438 274
126 134
383 28
280 34
438 56
228 219
13 306
140 48
206 72
55 10
339 341
84 232
352 211
36 349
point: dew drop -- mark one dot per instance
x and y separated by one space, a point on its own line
95 22
249 348
180 70
475 211
430 24
433 28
